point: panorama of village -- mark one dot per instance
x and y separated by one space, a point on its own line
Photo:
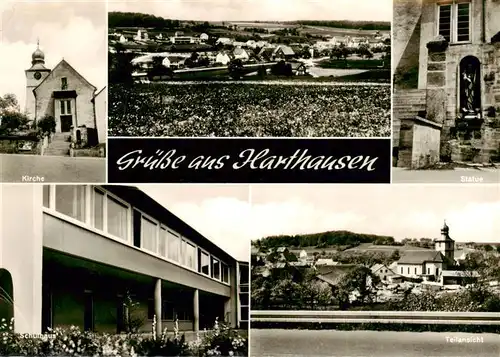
342 270
246 79
201 49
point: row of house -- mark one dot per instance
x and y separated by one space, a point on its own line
177 60
183 46
353 42
142 35
440 265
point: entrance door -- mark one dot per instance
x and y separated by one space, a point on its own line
47 312
88 315
66 123
120 314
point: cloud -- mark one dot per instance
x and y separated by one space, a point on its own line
474 221
295 216
224 221
263 10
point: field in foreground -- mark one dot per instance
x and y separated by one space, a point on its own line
250 109
294 343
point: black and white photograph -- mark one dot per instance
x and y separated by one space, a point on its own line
101 270
388 270
53 97
446 104
263 68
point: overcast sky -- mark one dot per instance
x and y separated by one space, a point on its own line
232 215
415 211
262 10
220 212
73 30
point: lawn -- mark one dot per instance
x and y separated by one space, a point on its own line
353 63
249 109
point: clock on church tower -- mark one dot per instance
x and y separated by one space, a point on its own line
34 76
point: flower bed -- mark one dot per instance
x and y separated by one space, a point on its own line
250 109
222 341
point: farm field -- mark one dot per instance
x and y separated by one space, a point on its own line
249 109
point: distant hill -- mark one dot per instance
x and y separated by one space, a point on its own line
382 249
136 19
325 240
360 25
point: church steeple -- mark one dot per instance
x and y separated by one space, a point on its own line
445 244
34 76
38 57
445 230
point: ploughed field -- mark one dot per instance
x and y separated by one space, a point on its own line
250 109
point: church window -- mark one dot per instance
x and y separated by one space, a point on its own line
65 107
64 83
454 20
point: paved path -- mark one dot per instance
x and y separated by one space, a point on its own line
295 343
461 175
19 168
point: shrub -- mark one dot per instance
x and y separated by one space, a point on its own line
74 342
134 318
46 125
221 341
475 298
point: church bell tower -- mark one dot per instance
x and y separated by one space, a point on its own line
446 246
34 76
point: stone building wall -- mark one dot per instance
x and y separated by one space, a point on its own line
83 106
439 76
419 144
406 40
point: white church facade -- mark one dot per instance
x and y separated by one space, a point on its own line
429 264
65 95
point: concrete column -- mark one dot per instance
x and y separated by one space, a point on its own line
21 238
228 313
158 307
196 311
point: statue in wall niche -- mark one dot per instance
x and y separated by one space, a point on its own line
470 88
469 77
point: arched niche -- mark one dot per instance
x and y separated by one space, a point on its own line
6 296
470 87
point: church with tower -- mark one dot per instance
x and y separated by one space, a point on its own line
65 95
429 264
446 246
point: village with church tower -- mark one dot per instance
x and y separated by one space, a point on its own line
437 264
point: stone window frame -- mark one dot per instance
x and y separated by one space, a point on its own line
454 13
